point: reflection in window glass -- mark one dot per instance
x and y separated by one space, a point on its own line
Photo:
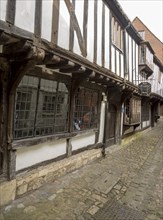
85 109
41 107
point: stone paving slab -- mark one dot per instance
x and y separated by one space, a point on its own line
127 184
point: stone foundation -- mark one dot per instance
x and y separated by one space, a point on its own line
32 180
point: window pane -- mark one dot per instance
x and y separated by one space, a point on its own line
85 109
25 107
46 107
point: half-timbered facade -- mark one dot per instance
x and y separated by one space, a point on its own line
70 79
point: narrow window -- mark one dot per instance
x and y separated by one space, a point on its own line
85 109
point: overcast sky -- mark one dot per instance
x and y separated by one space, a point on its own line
150 13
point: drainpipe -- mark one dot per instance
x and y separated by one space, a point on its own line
105 125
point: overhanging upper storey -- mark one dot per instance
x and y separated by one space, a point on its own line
146 58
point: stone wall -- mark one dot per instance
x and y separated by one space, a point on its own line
32 180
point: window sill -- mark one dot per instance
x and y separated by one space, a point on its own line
38 140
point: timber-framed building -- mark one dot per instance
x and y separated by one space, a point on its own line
74 75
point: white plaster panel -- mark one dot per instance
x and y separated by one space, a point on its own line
79 11
144 124
137 72
82 141
90 32
76 48
107 37
29 156
130 59
99 32
102 122
46 25
122 66
117 63
25 14
134 67
64 26
113 59
3 4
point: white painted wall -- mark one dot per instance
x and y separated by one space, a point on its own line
46 25
79 11
99 32
25 14
112 59
83 140
64 26
29 156
102 122
3 4
90 32
107 37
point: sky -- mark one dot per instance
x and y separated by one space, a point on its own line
150 13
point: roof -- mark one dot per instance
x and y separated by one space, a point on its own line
156 44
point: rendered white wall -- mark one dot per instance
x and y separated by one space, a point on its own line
79 11
3 4
46 25
82 141
29 156
99 32
64 26
25 14
90 32
107 37
112 59
102 122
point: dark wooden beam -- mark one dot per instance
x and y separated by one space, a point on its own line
48 74
76 27
55 21
38 17
71 40
16 48
59 65
4 83
85 21
11 9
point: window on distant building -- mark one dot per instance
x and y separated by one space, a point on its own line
142 34
85 109
117 34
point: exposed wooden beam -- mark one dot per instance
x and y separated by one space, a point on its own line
85 21
58 65
11 9
55 21
76 27
38 17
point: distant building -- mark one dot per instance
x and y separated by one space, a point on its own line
157 46
147 35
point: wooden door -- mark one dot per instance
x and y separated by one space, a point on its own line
111 125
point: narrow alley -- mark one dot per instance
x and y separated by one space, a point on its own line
126 184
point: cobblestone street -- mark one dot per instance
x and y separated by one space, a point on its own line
127 184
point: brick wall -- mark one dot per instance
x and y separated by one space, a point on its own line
156 44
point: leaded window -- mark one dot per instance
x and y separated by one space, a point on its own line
132 111
41 107
145 111
85 109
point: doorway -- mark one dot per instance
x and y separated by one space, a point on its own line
111 125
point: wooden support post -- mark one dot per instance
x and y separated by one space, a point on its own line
4 79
